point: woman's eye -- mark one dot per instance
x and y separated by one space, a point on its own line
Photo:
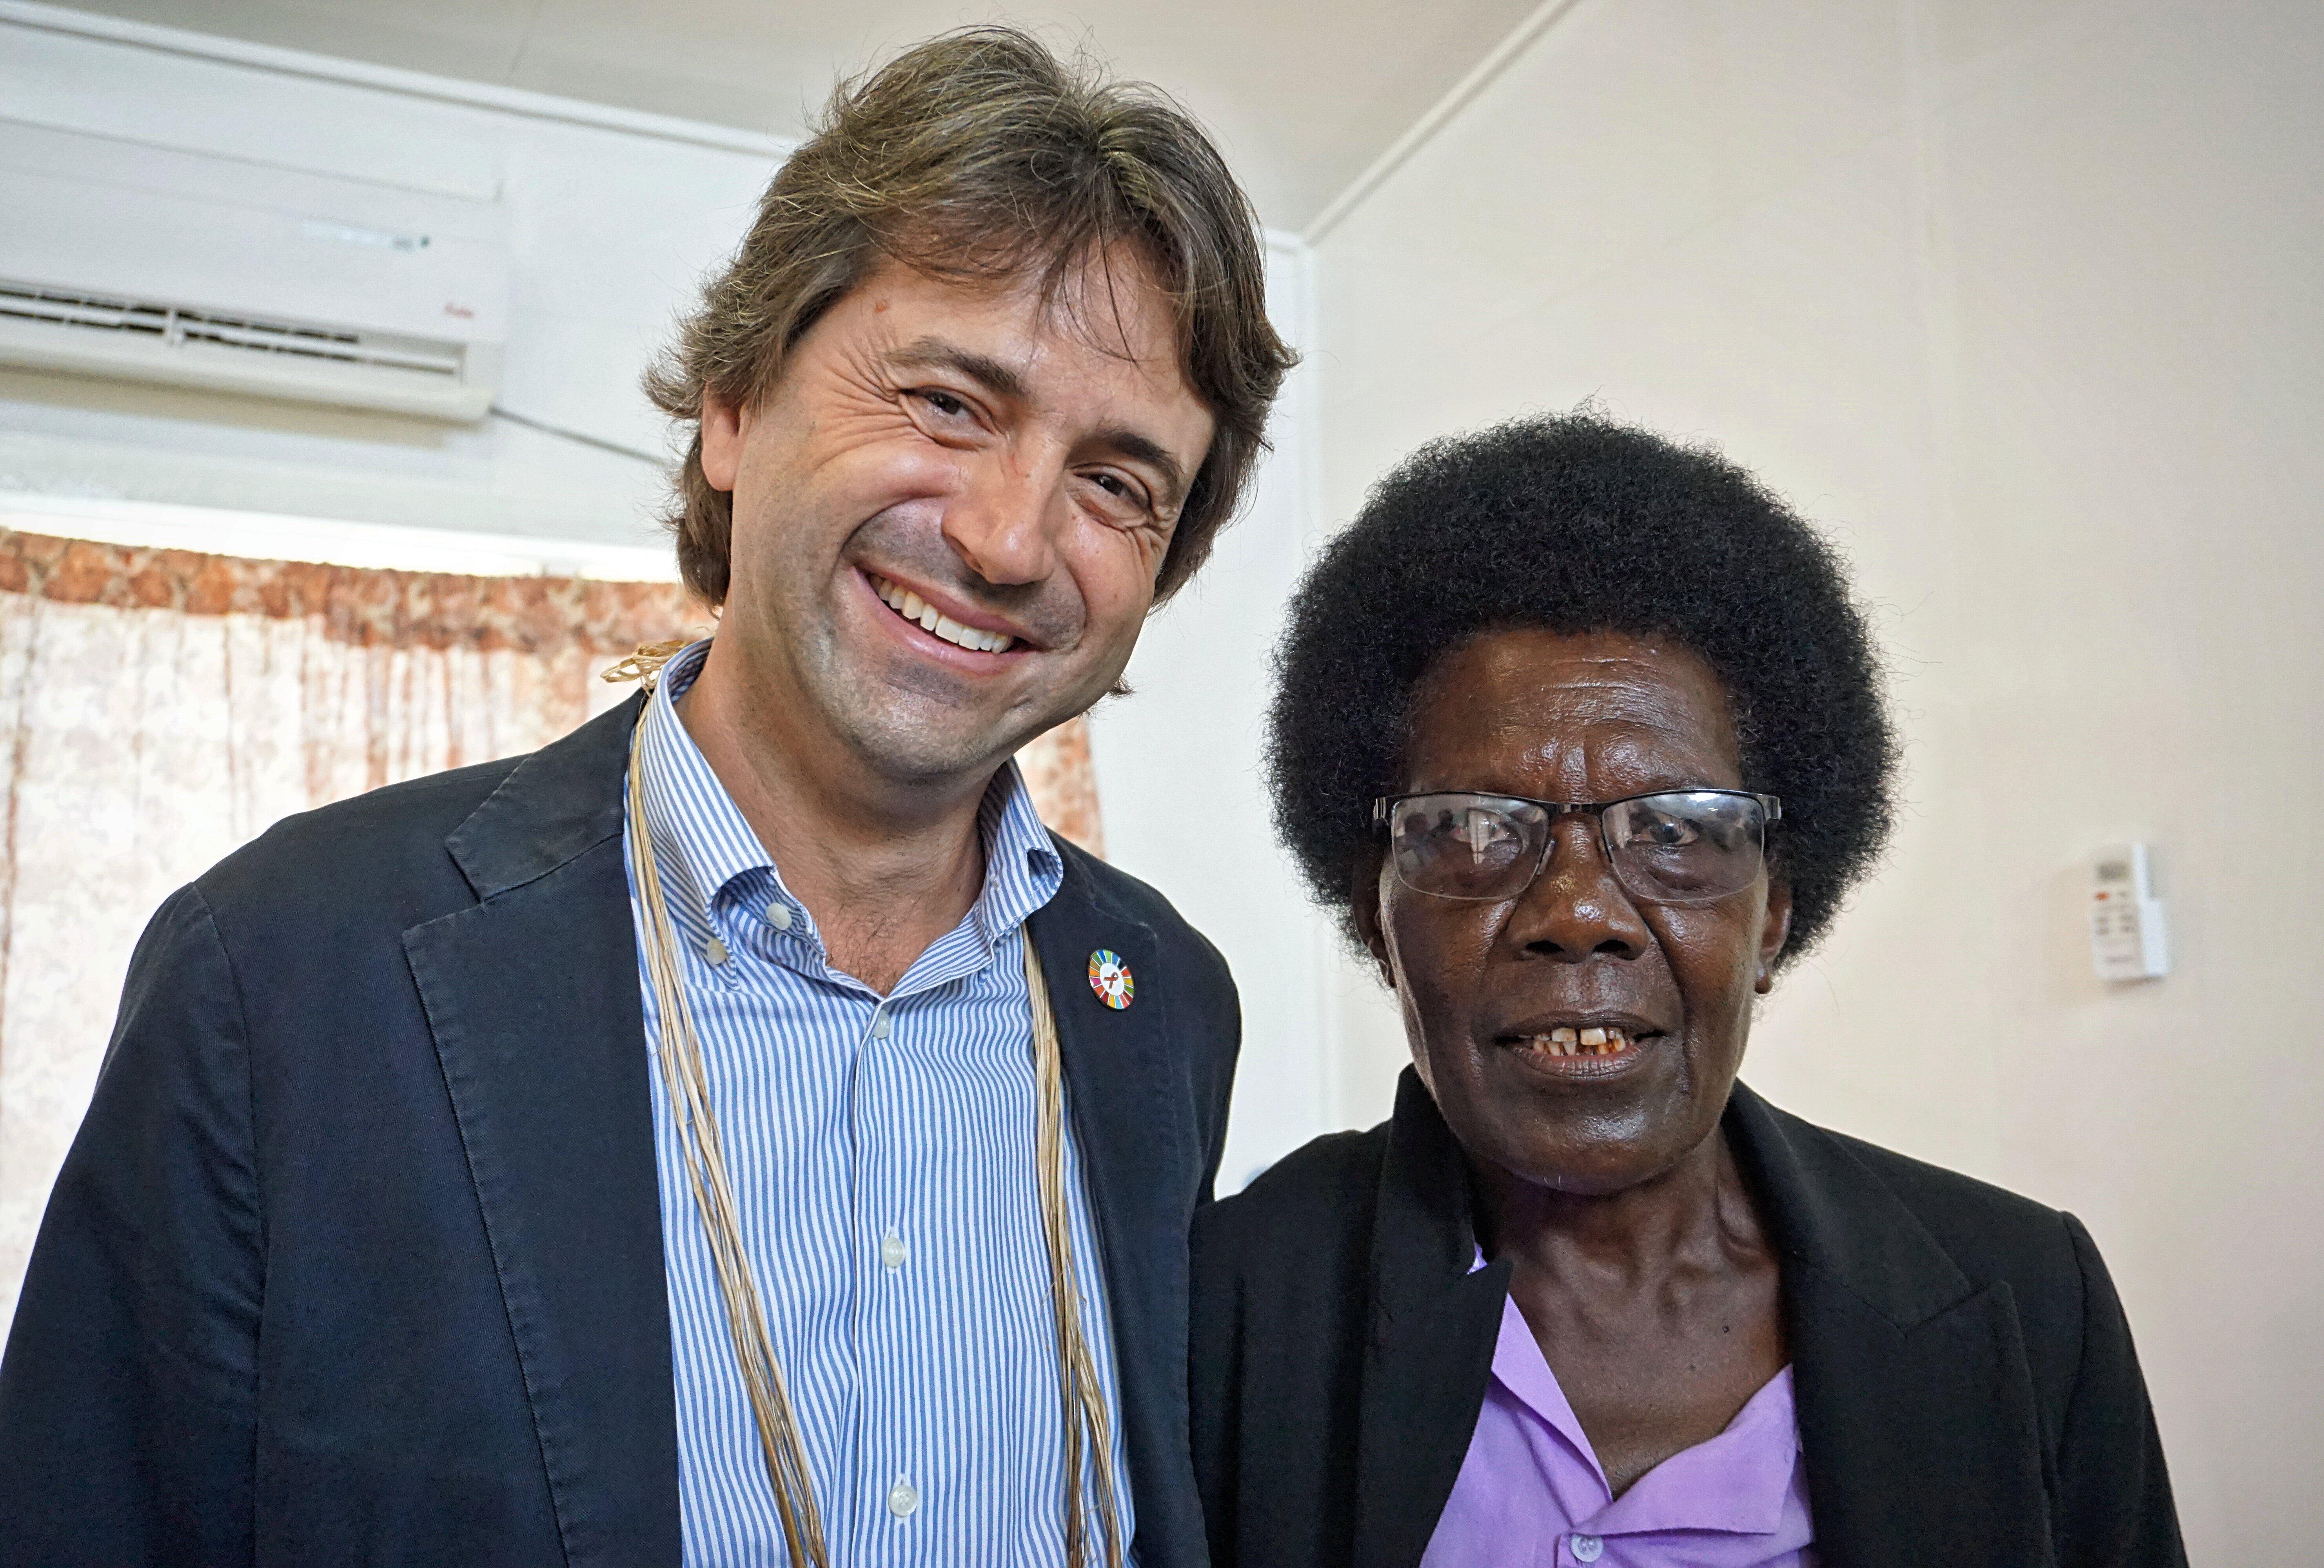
1669 833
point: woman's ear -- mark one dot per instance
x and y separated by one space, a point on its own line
1364 910
1773 932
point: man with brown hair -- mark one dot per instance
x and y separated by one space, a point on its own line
737 1133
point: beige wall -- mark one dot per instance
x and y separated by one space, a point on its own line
2022 299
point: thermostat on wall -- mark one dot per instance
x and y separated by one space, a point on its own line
2127 935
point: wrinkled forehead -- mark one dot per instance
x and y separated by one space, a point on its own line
1568 708
1110 300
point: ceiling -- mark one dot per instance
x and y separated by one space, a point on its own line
1302 96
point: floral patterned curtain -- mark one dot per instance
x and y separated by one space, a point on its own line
160 707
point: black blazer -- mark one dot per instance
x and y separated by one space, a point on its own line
1966 1390
357 1256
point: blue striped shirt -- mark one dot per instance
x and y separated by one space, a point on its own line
881 1150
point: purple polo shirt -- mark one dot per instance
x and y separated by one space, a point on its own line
1530 1494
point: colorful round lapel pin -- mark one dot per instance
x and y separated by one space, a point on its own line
1111 978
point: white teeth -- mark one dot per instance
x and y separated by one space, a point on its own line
912 607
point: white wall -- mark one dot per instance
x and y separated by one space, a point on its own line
613 224
1185 809
2020 299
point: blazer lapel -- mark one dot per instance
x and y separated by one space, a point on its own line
1434 1327
1915 1401
532 998
1137 1159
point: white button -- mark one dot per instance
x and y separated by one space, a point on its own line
1586 1548
879 1025
779 915
892 1251
903 1500
715 951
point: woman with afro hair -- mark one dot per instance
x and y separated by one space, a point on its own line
1581 734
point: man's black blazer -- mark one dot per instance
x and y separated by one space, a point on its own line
357 1257
1966 1394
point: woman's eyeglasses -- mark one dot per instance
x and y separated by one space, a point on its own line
1676 846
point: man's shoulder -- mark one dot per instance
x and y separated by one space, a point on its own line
1112 888
380 858
407 851
364 831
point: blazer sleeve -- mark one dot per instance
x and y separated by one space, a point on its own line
2114 1495
127 1394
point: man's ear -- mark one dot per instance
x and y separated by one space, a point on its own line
1364 910
1773 932
723 426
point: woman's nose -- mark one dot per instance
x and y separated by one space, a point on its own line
1577 908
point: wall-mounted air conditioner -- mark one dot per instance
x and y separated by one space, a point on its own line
121 258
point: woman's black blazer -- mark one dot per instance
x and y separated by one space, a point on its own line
1966 1392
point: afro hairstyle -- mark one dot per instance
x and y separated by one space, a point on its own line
1579 523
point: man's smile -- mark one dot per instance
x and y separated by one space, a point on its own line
958 628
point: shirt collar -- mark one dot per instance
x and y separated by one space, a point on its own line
1736 1483
707 845
700 837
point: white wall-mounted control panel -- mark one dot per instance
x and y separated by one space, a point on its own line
2127 940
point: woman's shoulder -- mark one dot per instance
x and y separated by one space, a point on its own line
1318 1197
1857 1204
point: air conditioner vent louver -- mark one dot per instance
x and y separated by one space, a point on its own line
137 262
173 324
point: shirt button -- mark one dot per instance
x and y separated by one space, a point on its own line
903 1501
1587 1548
879 1025
892 1252
779 915
715 951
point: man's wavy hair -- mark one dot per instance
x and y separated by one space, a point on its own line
980 156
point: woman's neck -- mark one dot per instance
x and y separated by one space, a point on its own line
1696 1215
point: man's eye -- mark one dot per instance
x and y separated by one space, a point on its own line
942 401
1118 489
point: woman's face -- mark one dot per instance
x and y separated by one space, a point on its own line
1485 986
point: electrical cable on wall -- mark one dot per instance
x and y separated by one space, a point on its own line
586 439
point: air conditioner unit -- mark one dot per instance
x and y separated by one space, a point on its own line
149 263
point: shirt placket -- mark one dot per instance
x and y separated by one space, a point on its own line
889 1475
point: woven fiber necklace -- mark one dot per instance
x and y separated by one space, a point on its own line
686 1085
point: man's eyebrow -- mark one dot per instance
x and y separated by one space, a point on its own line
1138 447
1132 446
935 353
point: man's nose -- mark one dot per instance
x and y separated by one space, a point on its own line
1004 524
1577 908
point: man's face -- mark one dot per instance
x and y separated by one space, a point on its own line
949 514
